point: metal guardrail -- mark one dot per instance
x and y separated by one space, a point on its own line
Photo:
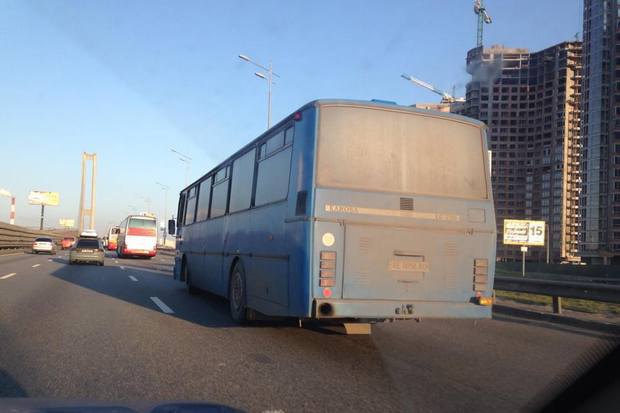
16 237
558 289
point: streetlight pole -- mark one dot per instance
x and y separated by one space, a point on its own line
268 78
269 82
184 158
165 189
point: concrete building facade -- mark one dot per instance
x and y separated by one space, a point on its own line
531 104
600 196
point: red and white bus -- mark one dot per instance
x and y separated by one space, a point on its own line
113 238
137 236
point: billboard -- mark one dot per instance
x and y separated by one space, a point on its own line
43 198
66 223
524 232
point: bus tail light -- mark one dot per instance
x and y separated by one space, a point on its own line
481 281
327 282
481 275
327 269
486 301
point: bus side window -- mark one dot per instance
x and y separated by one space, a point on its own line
191 206
220 193
276 142
204 197
273 177
242 180
288 135
181 210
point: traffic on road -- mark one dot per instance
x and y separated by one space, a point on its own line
241 206
129 331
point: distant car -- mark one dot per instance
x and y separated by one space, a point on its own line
87 250
67 242
44 244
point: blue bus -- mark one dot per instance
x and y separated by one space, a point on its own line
346 211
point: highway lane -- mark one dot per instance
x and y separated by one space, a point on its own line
99 333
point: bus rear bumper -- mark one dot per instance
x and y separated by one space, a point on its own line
140 253
397 309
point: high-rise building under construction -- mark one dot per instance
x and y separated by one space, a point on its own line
600 127
531 103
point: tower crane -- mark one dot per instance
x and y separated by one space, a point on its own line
483 17
445 97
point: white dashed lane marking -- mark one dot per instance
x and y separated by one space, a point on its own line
132 278
4 277
162 306
36 265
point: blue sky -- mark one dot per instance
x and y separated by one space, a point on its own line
131 79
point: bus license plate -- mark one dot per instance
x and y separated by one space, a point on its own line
401 265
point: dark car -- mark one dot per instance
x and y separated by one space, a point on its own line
87 250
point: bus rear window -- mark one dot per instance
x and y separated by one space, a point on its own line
141 223
88 243
391 151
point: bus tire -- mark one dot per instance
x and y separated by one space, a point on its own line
237 294
187 277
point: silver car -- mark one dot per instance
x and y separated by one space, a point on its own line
87 250
44 244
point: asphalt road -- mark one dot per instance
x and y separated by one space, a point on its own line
98 333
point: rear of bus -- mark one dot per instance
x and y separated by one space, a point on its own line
404 221
140 237
113 238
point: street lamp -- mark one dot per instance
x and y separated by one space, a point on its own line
186 159
165 189
268 78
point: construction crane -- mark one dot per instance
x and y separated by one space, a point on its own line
483 17
445 97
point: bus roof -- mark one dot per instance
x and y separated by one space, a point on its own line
151 217
388 105
344 102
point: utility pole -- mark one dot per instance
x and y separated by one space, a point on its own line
165 189
42 215
268 78
88 212
548 240
185 159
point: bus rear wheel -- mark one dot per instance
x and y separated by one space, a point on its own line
188 279
237 294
